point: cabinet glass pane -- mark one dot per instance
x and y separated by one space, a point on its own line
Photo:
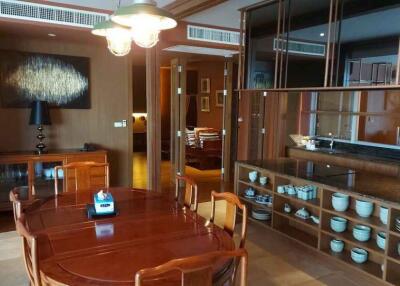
11 176
44 178
261 33
303 43
367 42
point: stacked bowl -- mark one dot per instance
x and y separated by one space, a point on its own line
338 224
364 208
383 215
260 214
381 240
340 202
361 232
359 255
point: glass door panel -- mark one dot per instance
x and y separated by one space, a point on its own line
44 175
262 25
366 36
303 43
11 176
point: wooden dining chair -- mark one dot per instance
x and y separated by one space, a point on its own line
195 270
232 203
29 251
190 192
80 172
16 203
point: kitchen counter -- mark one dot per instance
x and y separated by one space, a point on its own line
376 186
347 154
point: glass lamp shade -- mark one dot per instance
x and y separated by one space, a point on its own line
145 38
146 21
119 38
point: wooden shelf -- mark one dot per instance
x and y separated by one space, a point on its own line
369 266
254 203
318 236
351 214
267 188
315 203
347 236
291 216
299 235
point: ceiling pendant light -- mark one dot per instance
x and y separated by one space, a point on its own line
119 38
146 21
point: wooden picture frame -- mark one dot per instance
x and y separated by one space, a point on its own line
219 98
205 104
205 85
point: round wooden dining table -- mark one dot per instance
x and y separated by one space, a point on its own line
150 229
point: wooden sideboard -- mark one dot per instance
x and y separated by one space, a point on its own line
36 172
381 190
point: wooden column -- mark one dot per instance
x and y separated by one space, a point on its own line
227 120
178 116
153 119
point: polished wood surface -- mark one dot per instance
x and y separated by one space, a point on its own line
149 231
347 160
30 253
190 192
232 203
84 176
196 270
30 159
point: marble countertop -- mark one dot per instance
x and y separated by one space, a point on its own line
376 186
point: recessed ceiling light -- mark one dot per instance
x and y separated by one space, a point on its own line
51 35
322 34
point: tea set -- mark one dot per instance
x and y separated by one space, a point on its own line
253 175
307 192
263 199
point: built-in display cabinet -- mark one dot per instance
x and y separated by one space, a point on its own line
35 173
322 43
295 184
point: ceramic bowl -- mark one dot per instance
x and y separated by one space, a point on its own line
263 180
364 208
337 245
383 215
280 189
361 232
398 248
359 255
340 202
381 240
338 224
253 176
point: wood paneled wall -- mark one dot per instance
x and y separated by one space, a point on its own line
111 100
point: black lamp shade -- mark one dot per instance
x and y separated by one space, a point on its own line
40 114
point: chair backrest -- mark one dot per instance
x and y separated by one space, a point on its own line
232 203
195 270
29 249
80 173
190 192
15 200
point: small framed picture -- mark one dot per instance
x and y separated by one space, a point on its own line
219 98
205 104
205 85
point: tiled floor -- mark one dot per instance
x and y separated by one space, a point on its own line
274 260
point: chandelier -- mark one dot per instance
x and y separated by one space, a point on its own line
140 22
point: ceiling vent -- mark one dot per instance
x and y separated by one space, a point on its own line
198 33
300 47
49 14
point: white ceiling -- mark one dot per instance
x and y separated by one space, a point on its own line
105 4
225 14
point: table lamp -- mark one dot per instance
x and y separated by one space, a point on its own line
40 116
